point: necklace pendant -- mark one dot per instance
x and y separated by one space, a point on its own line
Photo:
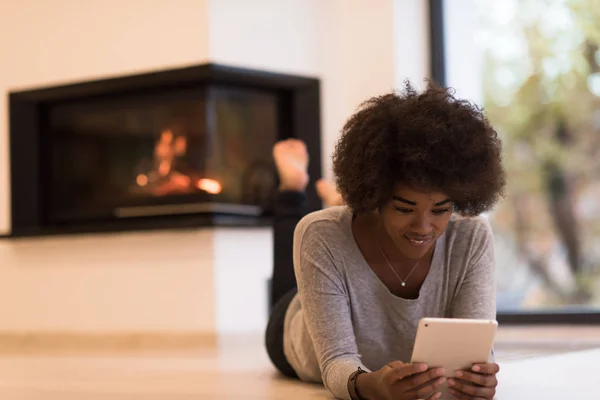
403 284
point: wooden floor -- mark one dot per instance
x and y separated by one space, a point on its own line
235 369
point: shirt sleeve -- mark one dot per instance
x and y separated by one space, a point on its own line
326 307
476 296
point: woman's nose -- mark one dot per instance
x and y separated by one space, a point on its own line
420 225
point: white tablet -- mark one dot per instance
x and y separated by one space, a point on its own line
452 343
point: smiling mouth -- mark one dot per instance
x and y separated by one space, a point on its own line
418 241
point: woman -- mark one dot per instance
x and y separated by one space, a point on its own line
415 170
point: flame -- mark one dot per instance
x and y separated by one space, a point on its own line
167 150
182 180
164 168
180 145
142 180
209 185
166 136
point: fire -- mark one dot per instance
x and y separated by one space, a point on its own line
164 168
209 185
181 180
164 177
142 180
166 136
180 146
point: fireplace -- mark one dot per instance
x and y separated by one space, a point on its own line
177 148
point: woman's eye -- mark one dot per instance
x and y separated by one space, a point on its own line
441 211
404 210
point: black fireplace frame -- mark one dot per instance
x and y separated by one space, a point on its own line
299 112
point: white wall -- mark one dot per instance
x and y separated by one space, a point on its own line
242 266
110 282
411 42
281 36
198 280
358 62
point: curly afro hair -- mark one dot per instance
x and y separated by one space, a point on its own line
428 141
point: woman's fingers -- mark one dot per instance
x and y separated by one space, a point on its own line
472 390
478 379
401 371
414 381
425 378
462 396
486 368
427 391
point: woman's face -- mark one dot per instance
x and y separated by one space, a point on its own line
415 219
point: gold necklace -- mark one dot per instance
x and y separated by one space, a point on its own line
402 281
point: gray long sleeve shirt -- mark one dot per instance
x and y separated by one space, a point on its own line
344 316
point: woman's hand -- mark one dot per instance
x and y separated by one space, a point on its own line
399 381
478 384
